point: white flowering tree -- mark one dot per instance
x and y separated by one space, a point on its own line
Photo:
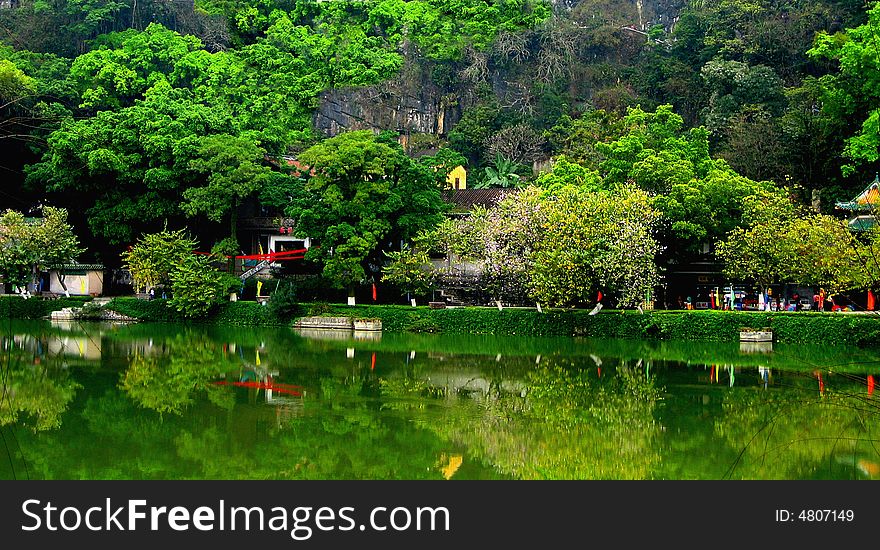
560 247
507 237
501 242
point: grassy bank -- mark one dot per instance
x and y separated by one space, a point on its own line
718 326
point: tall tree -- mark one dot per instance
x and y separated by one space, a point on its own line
365 197
655 151
854 92
234 169
154 257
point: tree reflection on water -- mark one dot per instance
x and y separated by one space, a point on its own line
170 402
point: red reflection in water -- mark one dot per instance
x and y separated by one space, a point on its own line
289 389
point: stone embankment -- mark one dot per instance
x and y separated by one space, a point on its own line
338 323
78 314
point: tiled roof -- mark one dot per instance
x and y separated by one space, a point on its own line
463 200
79 267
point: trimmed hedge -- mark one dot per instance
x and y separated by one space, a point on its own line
16 307
227 313
719 326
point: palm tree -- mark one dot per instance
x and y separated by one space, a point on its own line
503 174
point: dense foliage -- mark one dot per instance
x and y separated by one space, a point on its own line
29 246
364 195
651 135
154 257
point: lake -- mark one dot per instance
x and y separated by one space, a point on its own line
153 401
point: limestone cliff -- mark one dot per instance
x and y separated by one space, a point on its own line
413 103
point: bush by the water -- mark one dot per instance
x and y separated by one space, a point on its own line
282 303
226 313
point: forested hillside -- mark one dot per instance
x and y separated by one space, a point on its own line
133 112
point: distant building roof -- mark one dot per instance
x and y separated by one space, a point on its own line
866 200
74 266
300 168
463 200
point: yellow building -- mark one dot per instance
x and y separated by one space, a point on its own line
457 178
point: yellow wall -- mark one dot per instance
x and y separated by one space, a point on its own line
460 173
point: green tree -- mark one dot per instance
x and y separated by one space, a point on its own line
703 210
234 169
196 286
735 86
813 138
566 173
155 256
816 250
655 151
853 92
755 145
160 112
410 270
576 138
365 196
14 83
28 246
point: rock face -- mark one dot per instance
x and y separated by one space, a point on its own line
658 12
76 314
649 12
401 106
408 103
413 103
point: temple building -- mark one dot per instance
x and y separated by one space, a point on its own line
863 207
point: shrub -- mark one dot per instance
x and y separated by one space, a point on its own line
719 326
146 310
283 304
243 314
90 311
197 287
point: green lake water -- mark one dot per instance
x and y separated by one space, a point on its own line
148 401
